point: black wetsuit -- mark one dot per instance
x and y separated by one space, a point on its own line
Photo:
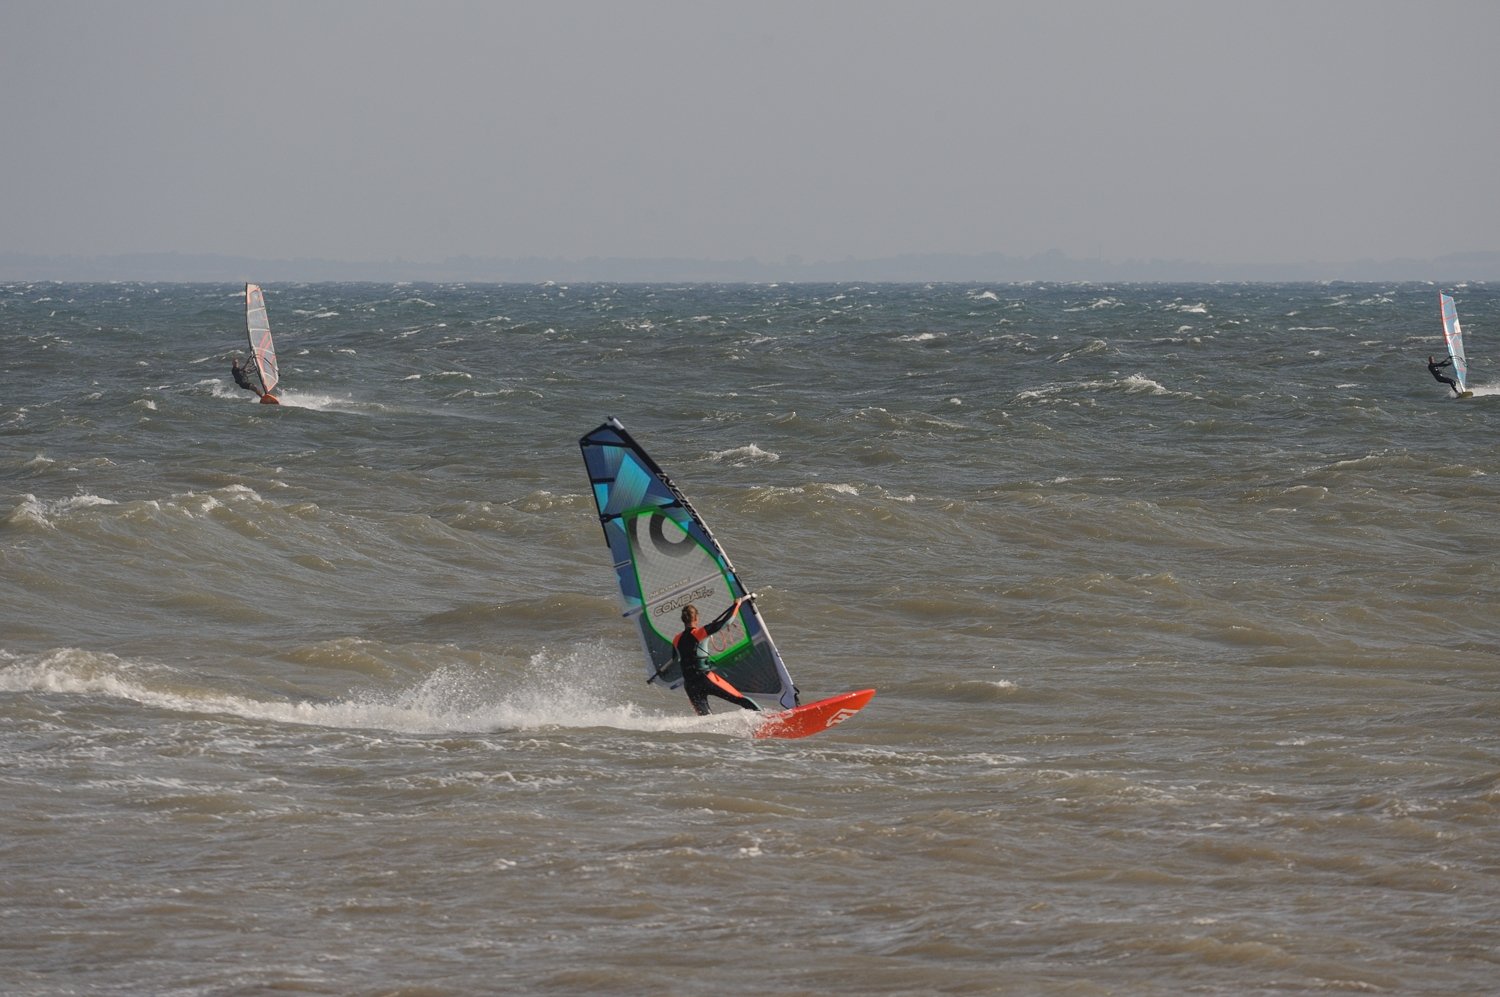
1433 368
696 679
242 380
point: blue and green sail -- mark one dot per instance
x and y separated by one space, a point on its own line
665 557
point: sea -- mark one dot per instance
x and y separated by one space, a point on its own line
1180 602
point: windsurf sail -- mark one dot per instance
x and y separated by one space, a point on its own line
1454 334
258 327
665 557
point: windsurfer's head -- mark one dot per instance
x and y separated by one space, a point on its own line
1430 359
689 614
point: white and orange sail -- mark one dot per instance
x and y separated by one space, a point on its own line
262 348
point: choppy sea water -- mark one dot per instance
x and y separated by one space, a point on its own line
1180 602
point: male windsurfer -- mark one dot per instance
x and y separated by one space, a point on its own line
1432 367
241 379
699 680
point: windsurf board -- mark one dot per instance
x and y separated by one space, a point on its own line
812 718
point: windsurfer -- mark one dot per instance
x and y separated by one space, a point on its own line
240 378
699 680
1432 367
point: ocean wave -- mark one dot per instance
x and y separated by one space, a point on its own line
320 402
551 689
745 455
1133 384
1091 347
817 491
46 513
1096 305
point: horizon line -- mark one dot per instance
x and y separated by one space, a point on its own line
1053 266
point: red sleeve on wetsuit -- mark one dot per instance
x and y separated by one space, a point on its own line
698 633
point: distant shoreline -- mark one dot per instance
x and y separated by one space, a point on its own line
936 268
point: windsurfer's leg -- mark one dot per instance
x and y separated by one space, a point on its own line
740 701
697 694
719 686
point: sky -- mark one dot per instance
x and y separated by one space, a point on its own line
1220 132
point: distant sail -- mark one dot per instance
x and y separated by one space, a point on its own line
665 558
258 327
1454 334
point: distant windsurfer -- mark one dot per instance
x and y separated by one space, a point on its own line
1432 367
241 379
699 680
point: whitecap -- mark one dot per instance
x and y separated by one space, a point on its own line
45 512
747 454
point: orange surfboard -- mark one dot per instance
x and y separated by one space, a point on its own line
801 721
269 399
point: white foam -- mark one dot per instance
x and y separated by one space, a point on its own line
1137 383
1133 384
749 454
45 512
325 403
452 699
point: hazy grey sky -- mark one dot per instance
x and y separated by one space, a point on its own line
1222 132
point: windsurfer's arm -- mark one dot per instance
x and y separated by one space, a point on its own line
724 617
